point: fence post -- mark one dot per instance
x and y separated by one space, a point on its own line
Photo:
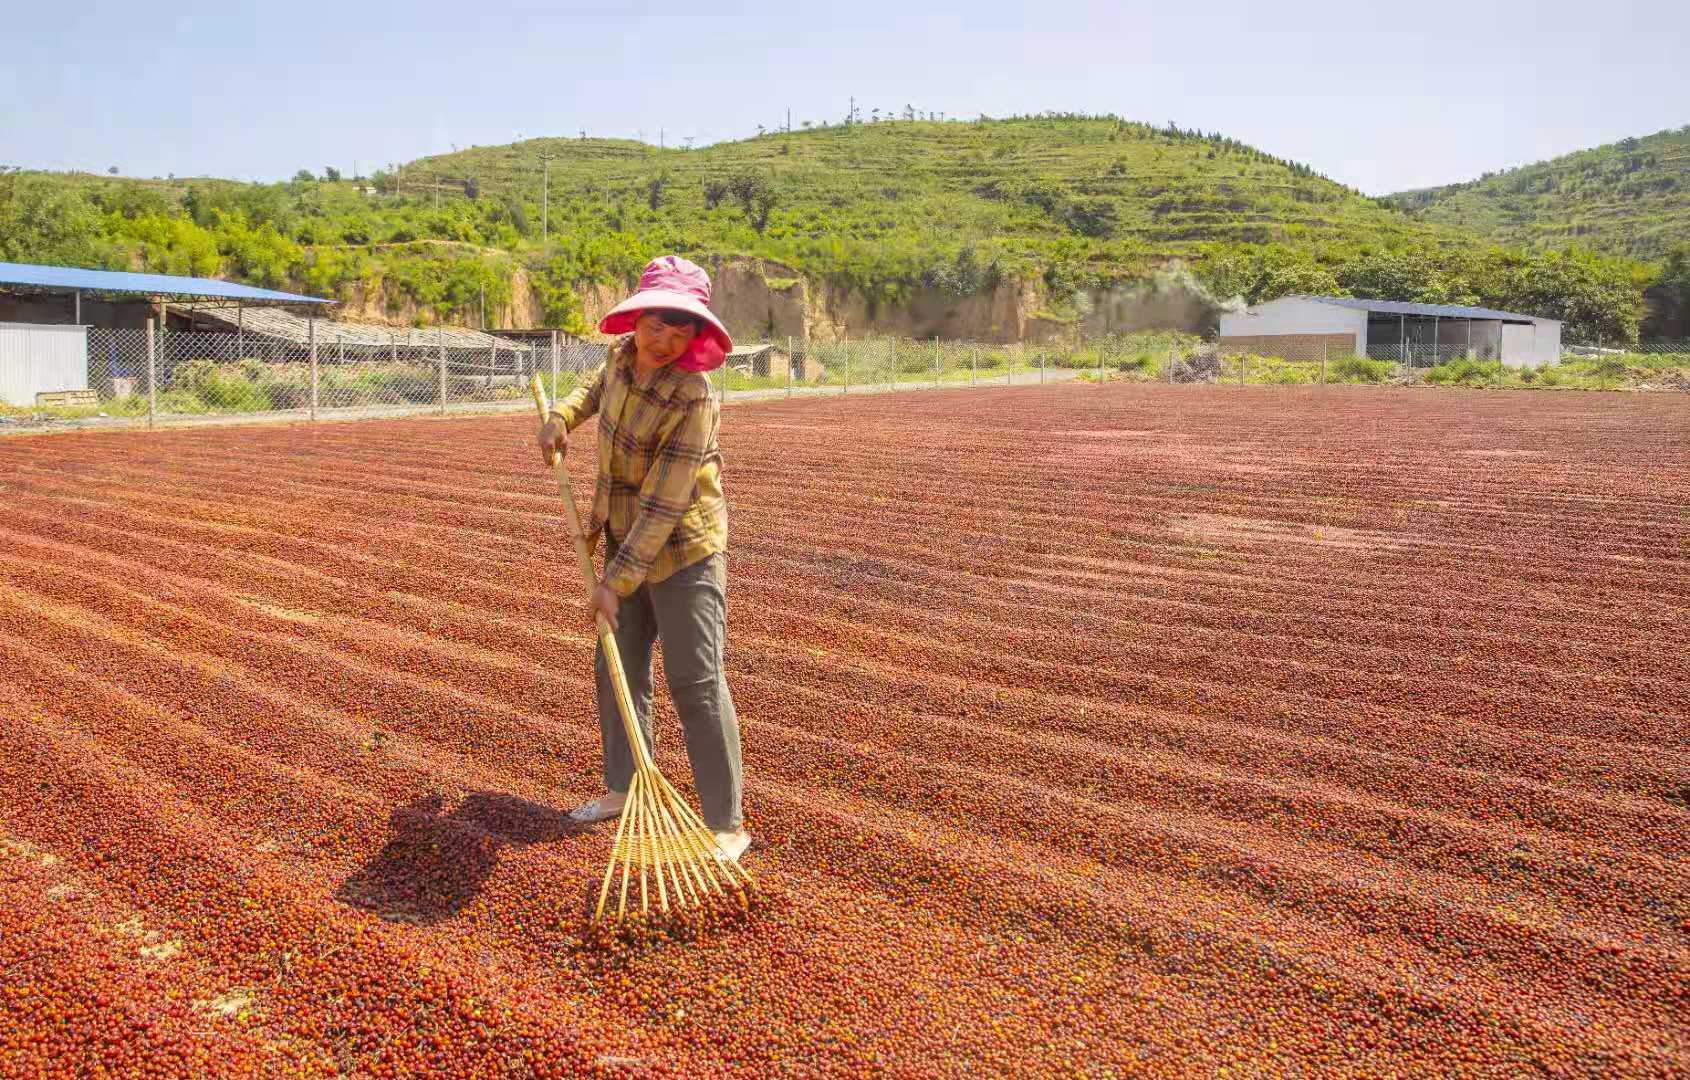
790 357
440 340
1241 361
1100 363
974 366
554 364
1171 354
848 354
1323 345
311 337
935 365
152 375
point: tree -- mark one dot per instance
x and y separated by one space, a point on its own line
1669 297
331 173
303 176
517 215
42 221
654 190
112 170
755 194
759 213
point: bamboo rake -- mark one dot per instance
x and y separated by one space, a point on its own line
660 842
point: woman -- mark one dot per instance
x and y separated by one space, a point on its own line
658 501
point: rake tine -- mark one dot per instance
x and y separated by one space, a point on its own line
707 850
704 861
638 843
654 854
627 812
610 870
678 842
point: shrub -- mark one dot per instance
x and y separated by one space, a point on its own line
1609 369
222 388
1466 372
1280 373
1358 369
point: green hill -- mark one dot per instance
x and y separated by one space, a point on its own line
885 209
884 203
1631 197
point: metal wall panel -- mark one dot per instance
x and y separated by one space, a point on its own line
40 359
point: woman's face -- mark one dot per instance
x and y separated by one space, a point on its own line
664 335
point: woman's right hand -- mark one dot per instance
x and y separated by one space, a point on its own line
554 440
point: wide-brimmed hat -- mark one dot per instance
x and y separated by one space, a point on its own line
670 281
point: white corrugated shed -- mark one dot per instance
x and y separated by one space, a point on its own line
40 360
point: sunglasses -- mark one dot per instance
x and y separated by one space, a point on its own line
671 317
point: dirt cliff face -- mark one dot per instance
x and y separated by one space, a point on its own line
763 300
760 300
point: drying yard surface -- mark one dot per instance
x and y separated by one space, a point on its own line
1092 730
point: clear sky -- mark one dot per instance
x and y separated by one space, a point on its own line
1380 96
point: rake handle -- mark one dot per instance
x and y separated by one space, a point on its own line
607 637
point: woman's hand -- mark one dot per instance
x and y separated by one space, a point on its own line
554 440
605 602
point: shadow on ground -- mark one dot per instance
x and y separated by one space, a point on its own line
437 862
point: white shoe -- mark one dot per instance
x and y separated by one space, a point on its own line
733 844
605 807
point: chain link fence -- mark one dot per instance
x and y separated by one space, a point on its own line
168 374
878 365
164 374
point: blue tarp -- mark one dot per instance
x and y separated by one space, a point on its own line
162 285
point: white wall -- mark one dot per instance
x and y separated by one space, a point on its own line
39 359
1294 315
1548 350
1531 346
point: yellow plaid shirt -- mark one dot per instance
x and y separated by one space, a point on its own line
659 486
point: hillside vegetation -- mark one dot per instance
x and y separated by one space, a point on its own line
884 208
1630 197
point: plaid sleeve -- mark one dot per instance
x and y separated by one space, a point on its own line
582 402
669 487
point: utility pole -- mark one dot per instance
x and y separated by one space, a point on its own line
789 118
660 139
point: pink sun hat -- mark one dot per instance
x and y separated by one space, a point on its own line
670 281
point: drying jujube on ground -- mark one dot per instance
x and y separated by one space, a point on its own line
1088 730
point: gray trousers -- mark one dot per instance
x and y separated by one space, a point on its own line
689 611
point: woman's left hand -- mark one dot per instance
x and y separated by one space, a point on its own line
606 603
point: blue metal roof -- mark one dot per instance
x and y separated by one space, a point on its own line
1447 311
115 281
